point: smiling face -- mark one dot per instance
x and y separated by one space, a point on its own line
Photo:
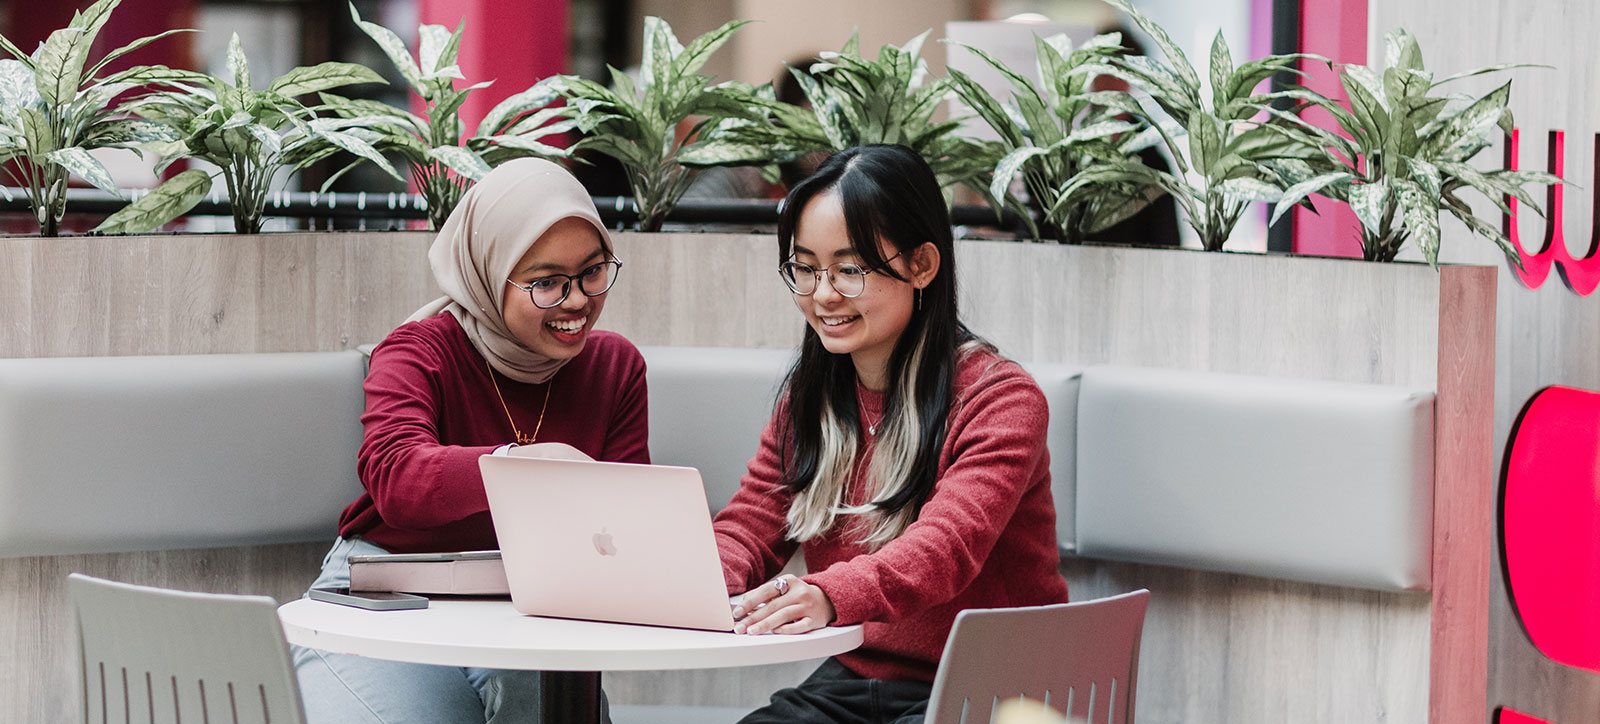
867 326
568 247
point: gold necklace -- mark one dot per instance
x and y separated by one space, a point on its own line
521 439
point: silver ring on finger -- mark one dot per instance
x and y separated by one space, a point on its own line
782 584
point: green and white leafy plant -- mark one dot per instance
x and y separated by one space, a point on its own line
857 101
249 135
443 163
1405 156
1230 158
54 110
636 122
1057 129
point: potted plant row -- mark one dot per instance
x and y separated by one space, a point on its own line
1067 155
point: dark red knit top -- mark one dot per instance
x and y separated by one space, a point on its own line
431 411
985 538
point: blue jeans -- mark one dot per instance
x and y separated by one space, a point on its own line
341 689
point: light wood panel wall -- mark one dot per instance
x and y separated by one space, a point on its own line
1543 336
91 296
1217 647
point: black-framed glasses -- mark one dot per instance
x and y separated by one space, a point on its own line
550 291
847 278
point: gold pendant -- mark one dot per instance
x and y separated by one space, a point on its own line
524 439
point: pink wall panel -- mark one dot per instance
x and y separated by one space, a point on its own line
515 43
1336 29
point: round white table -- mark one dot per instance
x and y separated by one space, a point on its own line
489 633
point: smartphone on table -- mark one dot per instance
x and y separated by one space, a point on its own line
370 600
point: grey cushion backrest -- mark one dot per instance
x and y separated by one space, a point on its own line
1060 386
708 406
103 454
1304 480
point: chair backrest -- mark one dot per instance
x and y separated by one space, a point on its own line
1081 659
153 655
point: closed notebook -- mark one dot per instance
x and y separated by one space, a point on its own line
469 573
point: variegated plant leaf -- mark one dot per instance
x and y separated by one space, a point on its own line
461 161
305 80
112 56
433 39
270 142
126 132
529 144
1369 81
1251 189
1221 71
393 47
1179 62
1368 200
543 123
238 65
354 144
17 89
55 74
1298 192
534 98
166 202
1426 176
723 153
1421 216
1008 167
86 167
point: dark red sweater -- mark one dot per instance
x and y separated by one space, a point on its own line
986 537
431 411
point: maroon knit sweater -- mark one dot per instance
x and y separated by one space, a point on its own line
431 411
986 537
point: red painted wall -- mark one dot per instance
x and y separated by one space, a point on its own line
29 23
515 43
1336 29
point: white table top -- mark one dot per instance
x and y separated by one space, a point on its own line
490 633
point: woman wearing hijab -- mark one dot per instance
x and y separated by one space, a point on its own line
508 356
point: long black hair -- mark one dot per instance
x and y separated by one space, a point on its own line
887 192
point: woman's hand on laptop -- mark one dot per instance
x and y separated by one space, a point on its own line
785 605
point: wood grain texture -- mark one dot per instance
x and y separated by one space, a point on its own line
205 294
1463 495
1545 336
1218 648
1231 648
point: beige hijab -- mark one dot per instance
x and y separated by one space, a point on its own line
495 224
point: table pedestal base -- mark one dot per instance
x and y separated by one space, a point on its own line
570 697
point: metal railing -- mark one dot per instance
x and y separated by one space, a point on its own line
616 211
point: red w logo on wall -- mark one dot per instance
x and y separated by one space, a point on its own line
1581 275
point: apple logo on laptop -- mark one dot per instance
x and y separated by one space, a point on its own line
603 543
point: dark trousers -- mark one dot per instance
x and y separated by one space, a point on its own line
834 694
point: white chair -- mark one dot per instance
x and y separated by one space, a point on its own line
1081 659
154 655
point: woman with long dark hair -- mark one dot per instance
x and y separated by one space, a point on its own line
905 456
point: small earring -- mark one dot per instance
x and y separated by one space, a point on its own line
919 300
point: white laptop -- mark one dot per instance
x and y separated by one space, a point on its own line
607 541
